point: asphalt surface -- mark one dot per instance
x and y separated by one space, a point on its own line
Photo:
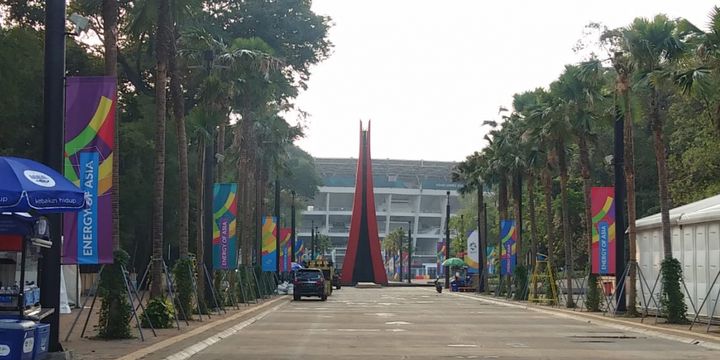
418 323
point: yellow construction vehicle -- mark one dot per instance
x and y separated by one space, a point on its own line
328 270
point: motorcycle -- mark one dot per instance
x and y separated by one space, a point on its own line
438 286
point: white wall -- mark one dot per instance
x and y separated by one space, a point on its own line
697 247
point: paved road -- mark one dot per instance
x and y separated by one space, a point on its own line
417 323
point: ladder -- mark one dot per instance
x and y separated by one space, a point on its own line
543 276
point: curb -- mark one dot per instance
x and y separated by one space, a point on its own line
683 336
176 339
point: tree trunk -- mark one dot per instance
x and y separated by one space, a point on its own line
659 142
482 242
533 218
566 223
178 101
587 184
502 198
220 148
163 43
549 216
629 168
517 196
110 17
200 226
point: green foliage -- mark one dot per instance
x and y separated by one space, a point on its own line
246 290
520 280
115 309
220 294
160 311
673 302
391 242
592 299
322 243
182 273
694 163
460 226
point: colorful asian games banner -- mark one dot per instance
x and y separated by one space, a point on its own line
269 244
224 243
440 258
491 259
602 205
472 255
89 143
299 250
508 237
285 249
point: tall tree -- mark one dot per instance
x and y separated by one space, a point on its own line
163 49
654 45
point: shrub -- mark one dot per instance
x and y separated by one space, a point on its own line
115 310
673 300
592 301
160 311
184 287
520 280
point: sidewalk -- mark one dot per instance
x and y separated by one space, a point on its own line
91 348
647 325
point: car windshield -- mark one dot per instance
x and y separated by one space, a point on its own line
308 275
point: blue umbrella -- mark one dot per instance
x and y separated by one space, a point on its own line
27 185
295 266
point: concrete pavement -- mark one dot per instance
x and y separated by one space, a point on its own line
417 323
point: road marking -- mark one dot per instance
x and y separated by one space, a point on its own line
397 323
359 330
604 322
382 314
462 345
175 339
202 345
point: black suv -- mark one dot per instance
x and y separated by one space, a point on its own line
309 282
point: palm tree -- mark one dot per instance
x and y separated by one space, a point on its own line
699 72
391 243
653 47
164 43
551 121
470 173
623 67
524 104
580 89
178 102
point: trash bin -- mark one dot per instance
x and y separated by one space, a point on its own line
608 288
42 341
17 339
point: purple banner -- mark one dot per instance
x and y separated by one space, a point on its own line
89 143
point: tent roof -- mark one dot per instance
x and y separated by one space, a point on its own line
700 211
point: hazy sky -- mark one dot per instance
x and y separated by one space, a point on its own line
428 72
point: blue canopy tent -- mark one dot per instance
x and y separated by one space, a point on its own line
29 188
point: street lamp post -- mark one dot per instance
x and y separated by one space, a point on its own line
292 228
312 240
401 257
447 240
277 224
619 162
409 251
481 236
53 108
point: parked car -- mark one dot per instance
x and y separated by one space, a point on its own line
309 282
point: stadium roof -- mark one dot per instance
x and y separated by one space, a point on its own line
388 173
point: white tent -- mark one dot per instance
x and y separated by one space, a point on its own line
695 232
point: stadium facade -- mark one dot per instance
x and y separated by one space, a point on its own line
407 193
